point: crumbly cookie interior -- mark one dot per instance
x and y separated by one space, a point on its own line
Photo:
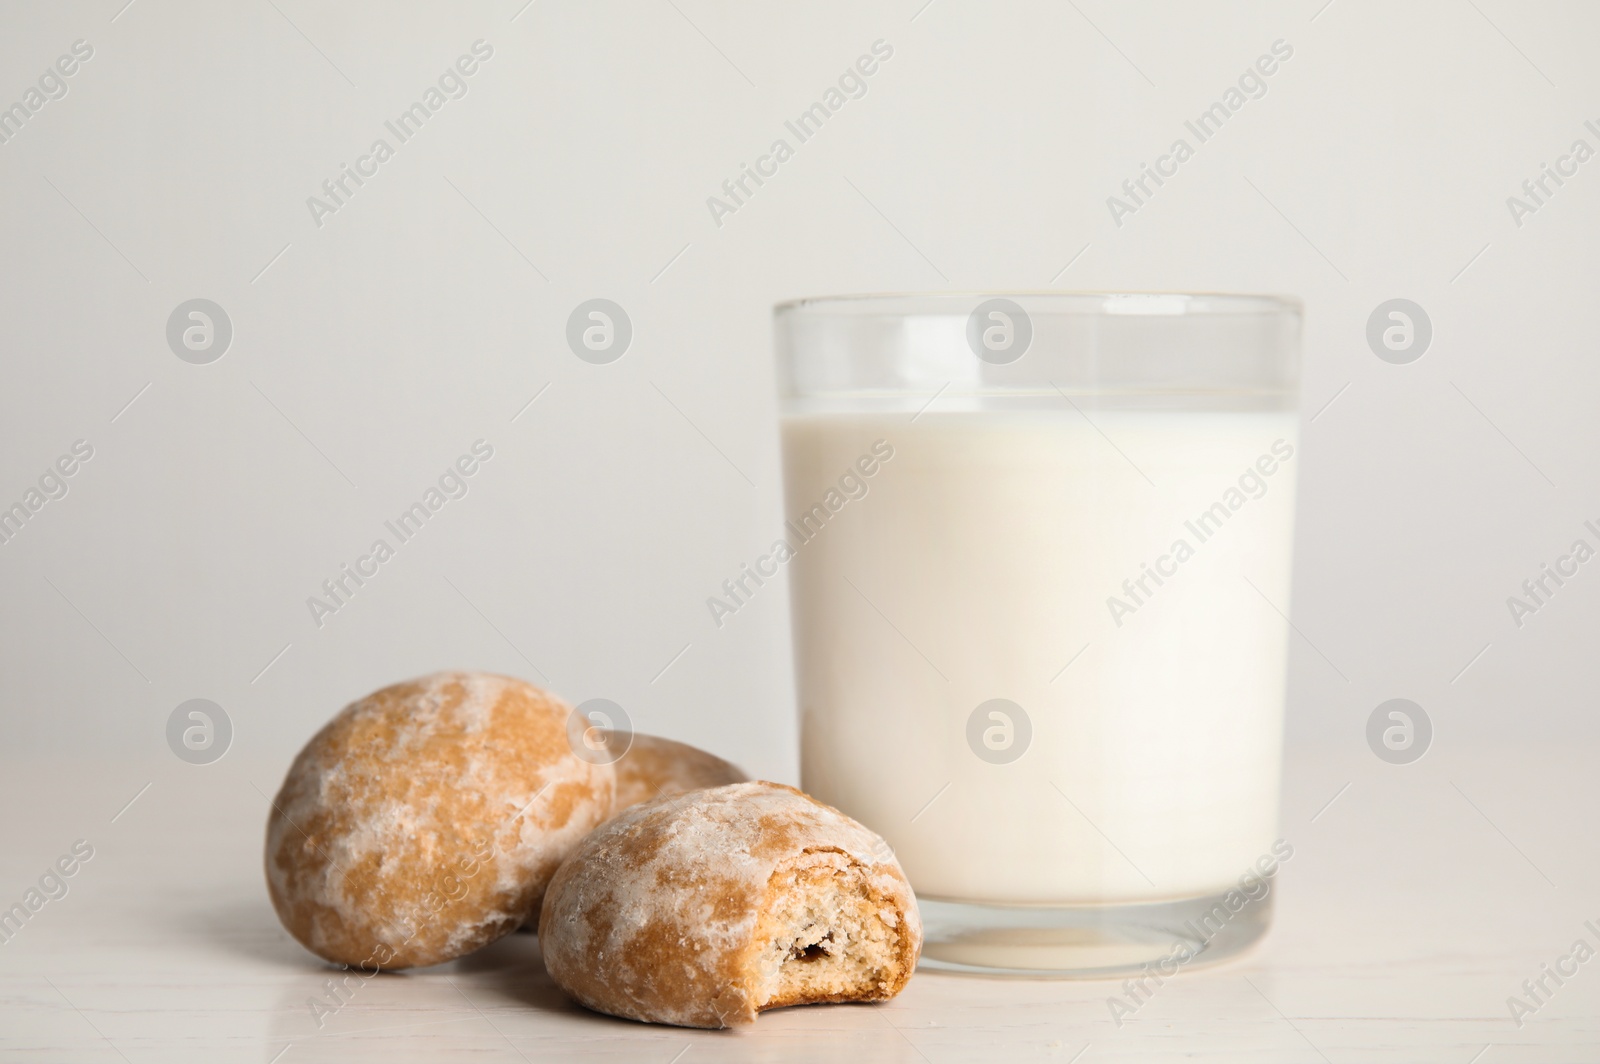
825 934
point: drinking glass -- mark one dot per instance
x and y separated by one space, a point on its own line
1038 548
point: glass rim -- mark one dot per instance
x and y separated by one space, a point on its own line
1132 303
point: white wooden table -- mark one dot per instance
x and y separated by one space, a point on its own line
1414 906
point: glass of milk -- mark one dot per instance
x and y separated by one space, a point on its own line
1039 560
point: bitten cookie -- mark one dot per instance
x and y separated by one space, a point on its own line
705 908
426 820
653 767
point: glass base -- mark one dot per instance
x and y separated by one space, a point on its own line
1089 941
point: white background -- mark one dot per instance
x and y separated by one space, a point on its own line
370 351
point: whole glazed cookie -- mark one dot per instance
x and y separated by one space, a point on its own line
653 767
425 820
704 908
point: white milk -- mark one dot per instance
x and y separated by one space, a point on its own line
982 559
